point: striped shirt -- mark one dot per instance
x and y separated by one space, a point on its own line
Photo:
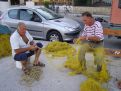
95 30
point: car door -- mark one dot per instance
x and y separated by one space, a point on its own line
12 20
34 24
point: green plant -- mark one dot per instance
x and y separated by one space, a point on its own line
46 4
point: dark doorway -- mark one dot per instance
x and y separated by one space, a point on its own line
15 2
4 0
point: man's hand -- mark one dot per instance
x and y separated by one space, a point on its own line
32 43
82 38
33 47
78 40
94 38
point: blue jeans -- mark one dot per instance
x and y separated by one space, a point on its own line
24 56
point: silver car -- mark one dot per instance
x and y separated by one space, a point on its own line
41 23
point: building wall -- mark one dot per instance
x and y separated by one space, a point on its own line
22 1
4 5
107 1
115 13
56 1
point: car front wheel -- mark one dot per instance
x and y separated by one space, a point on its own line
54 36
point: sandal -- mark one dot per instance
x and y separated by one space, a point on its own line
26 71
119 84
39 64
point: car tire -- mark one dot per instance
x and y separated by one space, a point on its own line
54 36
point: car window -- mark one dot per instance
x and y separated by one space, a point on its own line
13 14
48 14
35 18
26 14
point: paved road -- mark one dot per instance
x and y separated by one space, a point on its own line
54 77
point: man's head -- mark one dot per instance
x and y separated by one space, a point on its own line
21 28
87 18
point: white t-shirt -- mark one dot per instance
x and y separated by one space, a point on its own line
17 41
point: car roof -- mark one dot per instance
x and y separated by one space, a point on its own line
25 7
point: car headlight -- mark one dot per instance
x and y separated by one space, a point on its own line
69 29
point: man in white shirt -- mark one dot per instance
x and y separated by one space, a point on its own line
23 47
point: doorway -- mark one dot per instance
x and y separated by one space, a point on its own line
15 2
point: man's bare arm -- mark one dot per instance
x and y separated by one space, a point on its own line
94 38
82 38
20 50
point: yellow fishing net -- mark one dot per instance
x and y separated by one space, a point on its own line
33 75
91 85
59 49
76 62
102 76
5 49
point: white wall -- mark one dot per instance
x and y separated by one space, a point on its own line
4 5
108 1
21 1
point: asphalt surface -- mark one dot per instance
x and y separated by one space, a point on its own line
54 76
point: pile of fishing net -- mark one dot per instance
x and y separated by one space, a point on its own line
33 75
76 62
91 85
59 49
5 48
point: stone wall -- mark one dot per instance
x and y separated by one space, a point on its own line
93 10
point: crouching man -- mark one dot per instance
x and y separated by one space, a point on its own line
24 47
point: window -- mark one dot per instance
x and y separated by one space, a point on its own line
26 15
3 0
35 18
119 4
48 14
13 14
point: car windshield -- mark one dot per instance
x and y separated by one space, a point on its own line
48 14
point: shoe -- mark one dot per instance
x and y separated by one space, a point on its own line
26 71
99 68
39 64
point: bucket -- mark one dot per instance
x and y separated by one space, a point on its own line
19 65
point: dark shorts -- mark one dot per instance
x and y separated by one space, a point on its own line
94 44
24 56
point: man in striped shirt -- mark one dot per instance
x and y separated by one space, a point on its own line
93 30
93 35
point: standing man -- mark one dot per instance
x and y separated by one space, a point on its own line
92 34
23 47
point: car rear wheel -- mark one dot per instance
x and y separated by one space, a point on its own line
54 36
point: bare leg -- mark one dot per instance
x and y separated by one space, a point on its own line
119 84
37 54
24 66
37 61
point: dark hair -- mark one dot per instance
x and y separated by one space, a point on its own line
88 14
